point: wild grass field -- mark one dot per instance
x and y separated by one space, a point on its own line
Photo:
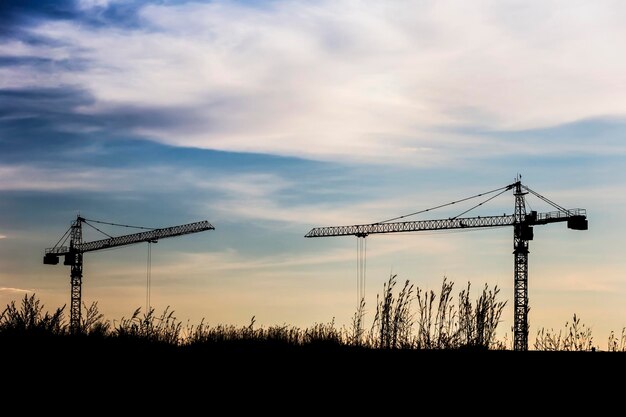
405 318
415 346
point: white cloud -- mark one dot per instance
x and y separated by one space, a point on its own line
86 178
25 177
353 80
88 4
14 290
247 186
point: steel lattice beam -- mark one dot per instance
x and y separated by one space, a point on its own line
413 226
148 236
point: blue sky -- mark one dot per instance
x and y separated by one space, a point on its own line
269 118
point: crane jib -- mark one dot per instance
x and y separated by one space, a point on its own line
148 236
576 219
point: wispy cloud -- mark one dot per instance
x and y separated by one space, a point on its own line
28 178
232 261
270 197
9 290
251 185
340 80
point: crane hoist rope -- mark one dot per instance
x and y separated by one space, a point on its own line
149 279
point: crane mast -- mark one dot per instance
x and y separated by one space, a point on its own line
522 233
75 259
521 221
77 247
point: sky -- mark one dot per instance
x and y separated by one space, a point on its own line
268 118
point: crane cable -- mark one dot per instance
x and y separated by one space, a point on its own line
123 225
552 203
148 262
361 266
362 242
506 188
148 277
66 235
480 204
63 238
94 227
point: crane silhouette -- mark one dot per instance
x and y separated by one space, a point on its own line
73 252
522 222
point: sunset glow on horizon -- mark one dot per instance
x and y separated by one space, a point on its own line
269 118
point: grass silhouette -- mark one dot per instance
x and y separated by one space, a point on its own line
405 318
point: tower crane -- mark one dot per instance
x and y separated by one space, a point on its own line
522 222
77 247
